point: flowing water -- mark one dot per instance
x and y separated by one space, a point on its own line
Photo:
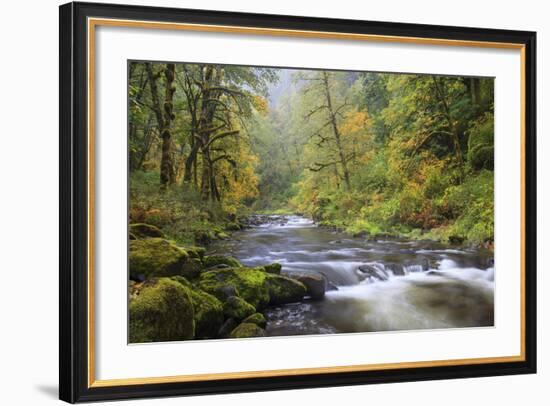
376 285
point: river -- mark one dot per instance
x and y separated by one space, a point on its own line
372 285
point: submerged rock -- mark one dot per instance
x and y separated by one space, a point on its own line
396 269
372 271
161 310
155 257
237 308
246 330
284 290
247 283
331 286
142 230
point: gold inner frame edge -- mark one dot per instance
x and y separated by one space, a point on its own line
94 22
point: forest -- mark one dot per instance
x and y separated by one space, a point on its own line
370 153
259 196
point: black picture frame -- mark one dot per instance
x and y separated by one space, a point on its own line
74 199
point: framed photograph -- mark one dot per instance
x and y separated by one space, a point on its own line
257 202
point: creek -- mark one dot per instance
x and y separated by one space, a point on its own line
372 285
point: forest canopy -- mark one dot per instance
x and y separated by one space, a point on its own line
369 153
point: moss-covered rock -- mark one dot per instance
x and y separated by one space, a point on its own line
227 327
284 290
162 310
156 257
196 252
237 308
274 268
256 318
212 261
246 330
233 226
204 237
142 230
207 308
248 283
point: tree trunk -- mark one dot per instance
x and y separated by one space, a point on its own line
450 123
206 177
190 162
336 132
167 175
207 112
164 116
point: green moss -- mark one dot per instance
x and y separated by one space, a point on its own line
155 257
141 230
273 268
233 226
247 283
207 308
211 261
237 308
284 290
246 330
256 318
196 252
162 310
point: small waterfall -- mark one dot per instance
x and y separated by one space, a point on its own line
413 268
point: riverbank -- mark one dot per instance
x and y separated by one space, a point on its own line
180 293
286 275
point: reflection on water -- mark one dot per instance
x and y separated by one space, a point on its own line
373 285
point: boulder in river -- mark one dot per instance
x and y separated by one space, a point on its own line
396 269
314 282
156 257
373 270
247 330
237 308
248 283
161 310
284 290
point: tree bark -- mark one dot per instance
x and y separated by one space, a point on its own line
190 162
336 132
167 175
164 116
